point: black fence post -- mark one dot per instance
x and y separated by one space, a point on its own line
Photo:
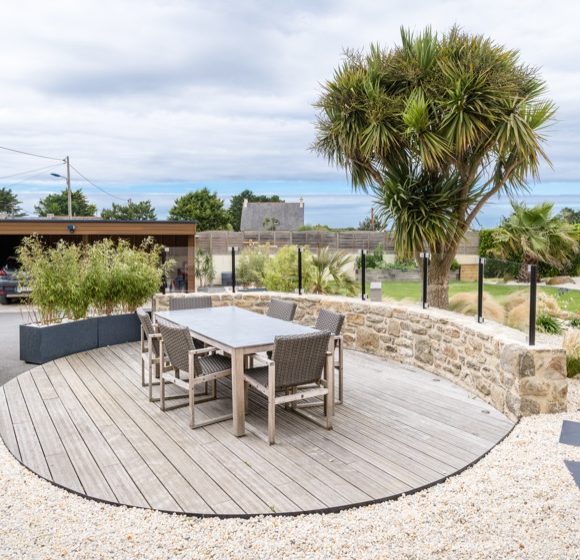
480 275
425 256
363 267
299 271
233 270
533 270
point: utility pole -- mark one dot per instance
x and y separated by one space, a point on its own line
68 191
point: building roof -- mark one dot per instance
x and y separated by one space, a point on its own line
287 216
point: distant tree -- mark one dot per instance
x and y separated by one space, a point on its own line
139 211
270 224
57 204
371 225
570 215
202 206
237 203
534 235
10 203
315 227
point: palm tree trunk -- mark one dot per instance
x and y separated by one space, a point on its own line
438 280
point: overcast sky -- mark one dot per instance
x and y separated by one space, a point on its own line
150 96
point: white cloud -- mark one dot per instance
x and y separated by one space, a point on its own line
163 90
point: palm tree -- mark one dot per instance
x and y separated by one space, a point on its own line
329 273
435 128
535 235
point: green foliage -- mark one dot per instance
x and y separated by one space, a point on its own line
372 260
69 280
534 235
270 224
138 211
315 227
251 265
10 203
204 268
202 206
486 242
570 215
575 323
237 203
281 271
435 128
572 366
330 276
549 324
455 266
371 225
57 204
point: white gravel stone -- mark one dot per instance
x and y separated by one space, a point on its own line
518 502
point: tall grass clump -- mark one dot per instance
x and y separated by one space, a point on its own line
571 345
466 303
72 281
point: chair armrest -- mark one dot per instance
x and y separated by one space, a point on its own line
155 335
201 351
262 359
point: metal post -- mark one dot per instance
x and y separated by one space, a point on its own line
480 290
533 270
234 270
299 271
425 256
363 267
68 190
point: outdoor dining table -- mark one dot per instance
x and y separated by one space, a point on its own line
238 332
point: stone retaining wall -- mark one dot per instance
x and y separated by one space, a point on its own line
490 360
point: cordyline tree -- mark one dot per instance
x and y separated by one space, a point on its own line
434 128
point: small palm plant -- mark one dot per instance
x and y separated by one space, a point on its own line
330 276
535 235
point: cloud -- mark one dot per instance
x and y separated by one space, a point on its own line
178 90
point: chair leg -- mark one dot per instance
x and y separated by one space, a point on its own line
142 372
215 389
340 373
162 395
192 407
150 383
246 396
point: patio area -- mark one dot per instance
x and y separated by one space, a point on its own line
85 423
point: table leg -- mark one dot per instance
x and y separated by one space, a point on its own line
238 408
330 382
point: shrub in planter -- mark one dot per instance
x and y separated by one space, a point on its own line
281 271
251 265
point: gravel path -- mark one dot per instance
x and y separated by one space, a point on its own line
518 502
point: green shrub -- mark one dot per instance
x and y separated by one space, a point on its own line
204 268
70 280
251 265
281 271
572 366
548 324
575 323
330 276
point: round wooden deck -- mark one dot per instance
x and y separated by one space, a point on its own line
84 422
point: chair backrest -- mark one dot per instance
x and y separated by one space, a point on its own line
329 321
148 330
189 302
300 358
177 342
279 309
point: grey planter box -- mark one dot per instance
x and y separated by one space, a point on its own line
39 345
43 344
117 329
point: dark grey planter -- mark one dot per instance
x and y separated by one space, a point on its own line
39 345
117 329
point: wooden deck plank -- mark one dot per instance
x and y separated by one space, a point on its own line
88 413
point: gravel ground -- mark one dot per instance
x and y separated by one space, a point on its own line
518 502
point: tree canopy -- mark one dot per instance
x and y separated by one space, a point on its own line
237 203
570 215
57 204
434 128
10 203
202 206
139 211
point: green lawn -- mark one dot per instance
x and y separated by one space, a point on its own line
569 300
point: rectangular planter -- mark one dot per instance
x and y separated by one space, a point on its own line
117 329
39 345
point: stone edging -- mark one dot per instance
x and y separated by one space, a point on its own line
490 360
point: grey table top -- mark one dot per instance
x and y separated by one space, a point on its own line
234 327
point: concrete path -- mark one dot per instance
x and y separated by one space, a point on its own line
11 316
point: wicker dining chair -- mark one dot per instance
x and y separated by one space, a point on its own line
191 301
150 338
198 367
284 310
298 360
331 321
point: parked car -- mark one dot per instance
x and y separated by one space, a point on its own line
10 289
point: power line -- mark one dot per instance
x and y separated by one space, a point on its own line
41 172
29 154
28 172
97 186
